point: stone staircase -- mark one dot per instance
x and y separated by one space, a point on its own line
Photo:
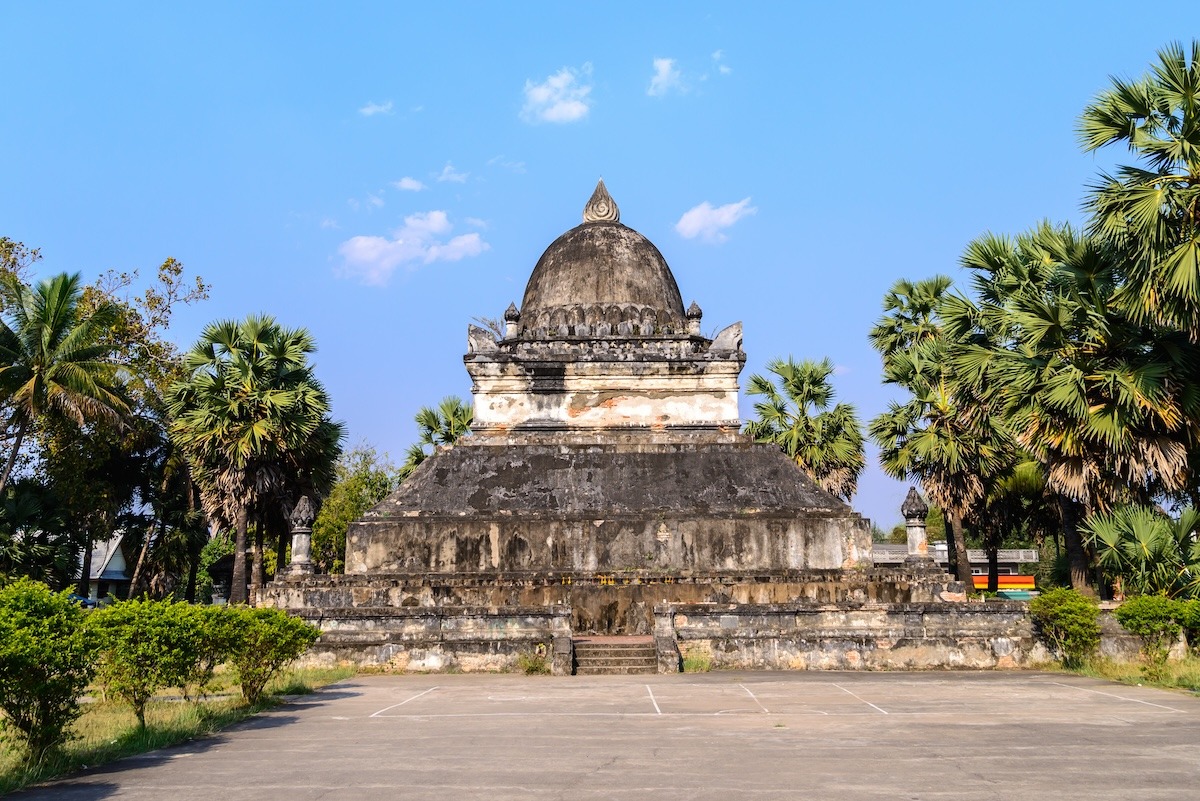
610 656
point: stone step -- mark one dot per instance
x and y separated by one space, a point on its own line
640 658
596 656
616 670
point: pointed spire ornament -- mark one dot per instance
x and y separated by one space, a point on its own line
601 207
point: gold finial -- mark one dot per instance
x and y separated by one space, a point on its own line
601 207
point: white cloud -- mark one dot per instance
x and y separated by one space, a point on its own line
451 174
407 184
563 97
373 259
707 222
507 163
375 199
724 69
371 109
666 77
475 222
329 222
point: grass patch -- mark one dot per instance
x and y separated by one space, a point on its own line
108 730
1181 674
697 662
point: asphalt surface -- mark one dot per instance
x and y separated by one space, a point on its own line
829 736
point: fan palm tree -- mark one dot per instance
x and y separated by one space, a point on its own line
246 412
942 436
1147 552
826 443
437 427
53 359
1104 404
1151 212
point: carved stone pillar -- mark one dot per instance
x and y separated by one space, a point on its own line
914 510
301 520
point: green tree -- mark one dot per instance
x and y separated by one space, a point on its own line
53 359
1069 621
1100 402
46 661
1151 211
364 478
437 427
247 411
825 441
942 436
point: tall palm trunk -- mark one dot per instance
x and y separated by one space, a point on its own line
237 590
962 562
22 427
256 569
993 558
1077 558
281 552
84 587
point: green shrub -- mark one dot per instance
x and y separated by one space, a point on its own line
535 663
146 646
1070 623
219 627
697 662
265 641
1189 619
46 661
1153 619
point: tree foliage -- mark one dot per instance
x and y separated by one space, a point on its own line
1070 623
267 640
364 478
796 412
438 427
1147 552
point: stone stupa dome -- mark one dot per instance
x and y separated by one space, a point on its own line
602 273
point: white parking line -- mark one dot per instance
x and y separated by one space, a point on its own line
865 701
752 695
402 703
1113 695
652 700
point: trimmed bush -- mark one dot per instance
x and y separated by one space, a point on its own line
146 646
266 640
46 661
1070 623
1154 620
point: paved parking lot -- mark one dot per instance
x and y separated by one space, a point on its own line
718 735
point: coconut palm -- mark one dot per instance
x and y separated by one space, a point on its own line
1151 212
246 413
437 427
826 442
53 360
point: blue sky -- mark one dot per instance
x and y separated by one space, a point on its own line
383 173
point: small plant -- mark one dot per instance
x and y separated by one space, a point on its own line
1069 622
697 662
45 664
535 663
265 641
1154 619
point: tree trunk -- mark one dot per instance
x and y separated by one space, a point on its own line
993 557
189 594
281 553
12 457
256 571
135 582
962 562
237 589
1076 555
84 587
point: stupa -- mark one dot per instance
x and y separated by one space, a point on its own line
606 482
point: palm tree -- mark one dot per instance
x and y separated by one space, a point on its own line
826 443
437 427
942 436
1152 212
245 414
53 360
1103 403
1146 552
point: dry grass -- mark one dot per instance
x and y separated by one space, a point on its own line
1182 674
108 730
